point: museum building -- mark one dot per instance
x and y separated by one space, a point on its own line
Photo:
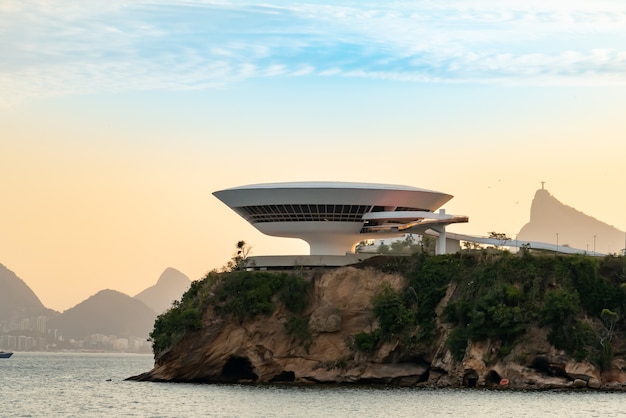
332 217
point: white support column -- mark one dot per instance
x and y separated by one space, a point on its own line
441 241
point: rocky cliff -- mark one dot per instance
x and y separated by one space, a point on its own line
262 350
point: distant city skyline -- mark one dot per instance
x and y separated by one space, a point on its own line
118 120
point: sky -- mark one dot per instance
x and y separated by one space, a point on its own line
118 120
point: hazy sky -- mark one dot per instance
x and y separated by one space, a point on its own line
119 118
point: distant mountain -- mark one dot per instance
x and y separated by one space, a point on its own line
170 287
108 312
17 300
548 217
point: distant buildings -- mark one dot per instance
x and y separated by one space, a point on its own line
32 334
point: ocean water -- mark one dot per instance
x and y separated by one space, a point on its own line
92 385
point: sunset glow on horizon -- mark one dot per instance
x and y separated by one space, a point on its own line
118 120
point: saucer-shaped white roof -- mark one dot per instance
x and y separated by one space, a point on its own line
318 192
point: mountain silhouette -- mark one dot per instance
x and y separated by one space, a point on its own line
108 312
16 298
548 216
170 287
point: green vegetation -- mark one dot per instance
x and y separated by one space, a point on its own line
241 294
395 318
367 342
299 328
184 315
239 260
581 300
246 294
402 247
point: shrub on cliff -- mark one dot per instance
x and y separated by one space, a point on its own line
246 294
499 296
367 341
394 316
243 294
184 315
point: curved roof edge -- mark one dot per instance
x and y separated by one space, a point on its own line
331 185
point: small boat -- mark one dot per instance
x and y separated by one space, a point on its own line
5 354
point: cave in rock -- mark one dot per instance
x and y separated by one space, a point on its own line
493 378
470 378
238 368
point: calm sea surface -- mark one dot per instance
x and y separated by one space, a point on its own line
92 385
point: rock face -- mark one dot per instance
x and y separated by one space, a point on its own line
262 351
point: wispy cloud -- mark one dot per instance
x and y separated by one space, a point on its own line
65 47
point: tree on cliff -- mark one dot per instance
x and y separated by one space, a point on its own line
239 260
501 237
